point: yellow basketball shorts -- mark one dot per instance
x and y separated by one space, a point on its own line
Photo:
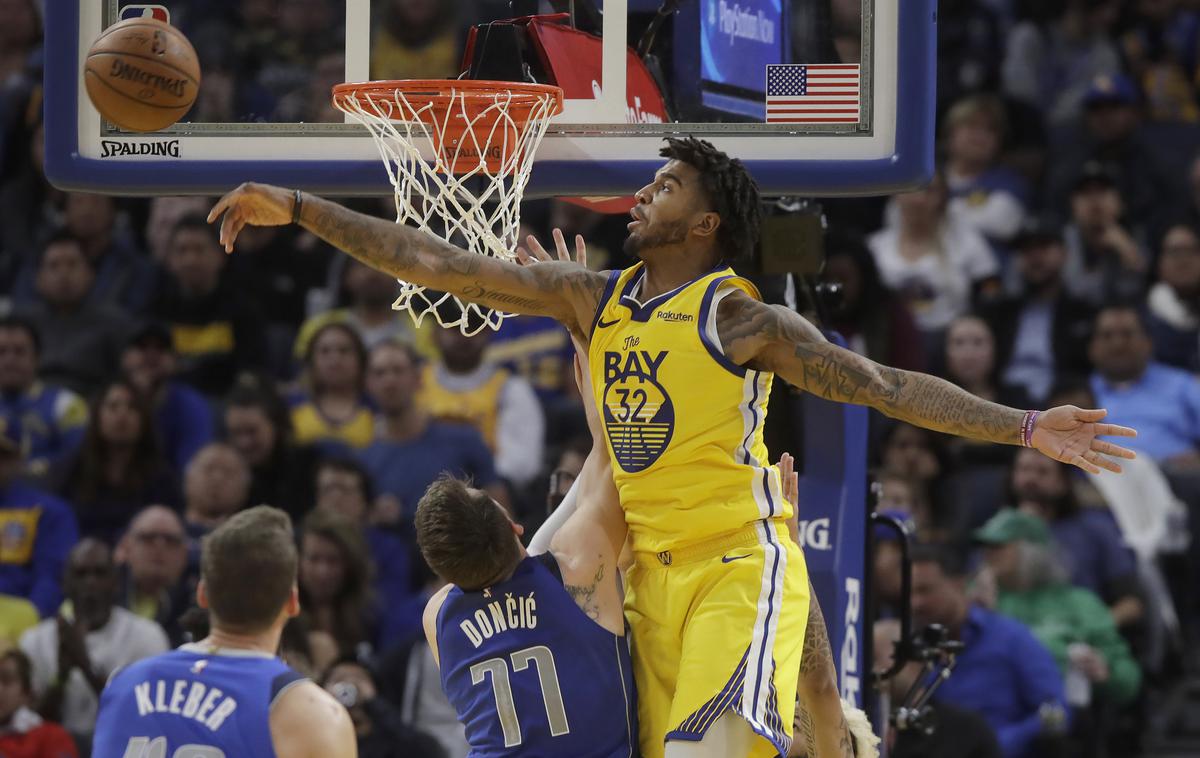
716 627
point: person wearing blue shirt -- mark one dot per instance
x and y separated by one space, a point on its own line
1161 401
46 421
183 417
1003 673
411 450
37 532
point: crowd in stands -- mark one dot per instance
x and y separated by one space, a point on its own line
151 385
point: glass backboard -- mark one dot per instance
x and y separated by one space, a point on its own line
818 97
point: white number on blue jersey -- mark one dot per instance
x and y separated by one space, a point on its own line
144 747
506 708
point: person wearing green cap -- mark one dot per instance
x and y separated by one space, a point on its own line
1071 622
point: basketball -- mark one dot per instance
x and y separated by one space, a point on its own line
142 74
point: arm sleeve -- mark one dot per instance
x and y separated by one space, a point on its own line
545 533
520 430
57 534
1040 683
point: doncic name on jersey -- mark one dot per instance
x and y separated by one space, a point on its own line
638 414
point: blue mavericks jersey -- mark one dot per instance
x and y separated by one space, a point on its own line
531 675
192 703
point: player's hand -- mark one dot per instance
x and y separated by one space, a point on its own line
253 204
1071 435
537 254
791 492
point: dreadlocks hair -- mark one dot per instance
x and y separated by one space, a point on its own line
732 193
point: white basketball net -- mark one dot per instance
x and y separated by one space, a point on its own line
457 196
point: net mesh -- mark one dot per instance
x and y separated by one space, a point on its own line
483 142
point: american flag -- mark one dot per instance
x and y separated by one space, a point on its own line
810 93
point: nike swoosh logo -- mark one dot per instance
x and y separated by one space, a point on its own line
602 324
727 559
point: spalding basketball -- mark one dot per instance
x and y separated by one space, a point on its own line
142 74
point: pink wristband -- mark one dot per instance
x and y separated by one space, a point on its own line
1027 424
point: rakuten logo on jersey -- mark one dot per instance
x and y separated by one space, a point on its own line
851 682
814 535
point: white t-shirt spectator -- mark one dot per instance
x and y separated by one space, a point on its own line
125 639
937 286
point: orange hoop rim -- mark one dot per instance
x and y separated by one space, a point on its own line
440 93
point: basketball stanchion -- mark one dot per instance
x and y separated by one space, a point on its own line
480 138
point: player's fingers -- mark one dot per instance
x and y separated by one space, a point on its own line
1108 448
1090 415
523 257
1113 430
536 249
220 207
1108 464
1085 464
580 250
560 245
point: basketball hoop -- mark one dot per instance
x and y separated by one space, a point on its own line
483 135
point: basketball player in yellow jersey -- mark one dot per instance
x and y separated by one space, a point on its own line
684 353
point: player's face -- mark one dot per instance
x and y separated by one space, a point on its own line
120 423
392 379
18 360
665 210
12 694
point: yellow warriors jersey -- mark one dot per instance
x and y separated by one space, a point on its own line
684 423
478 406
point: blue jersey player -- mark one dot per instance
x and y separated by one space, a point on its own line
228 695
531 644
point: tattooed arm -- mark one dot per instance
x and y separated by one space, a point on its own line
773 338
563 290
820 725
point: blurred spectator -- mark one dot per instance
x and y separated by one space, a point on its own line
16 615
151 557
886 562
1161 402
259 426
118 469
1070 621
23 733
415 39
989 196
166 211
1141 163
970 48
956 733
74 653
1003 673
918 455
1173 303
215 487
1041 332
28 202
1050 63
381 731
216 332
411 449
537 349
566 470
20 41
933 259
331 410
1161 49
311 653
463 387
37 531
971 363
335 582
1089 541
183 420
873 321
311 102
344 488
1105 262
81 340
369 312
46 421
124 277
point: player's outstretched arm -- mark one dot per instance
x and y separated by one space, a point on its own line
308 723
773 338
563 290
